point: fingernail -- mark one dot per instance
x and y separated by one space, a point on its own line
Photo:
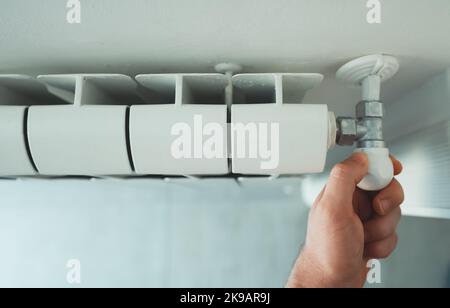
385 205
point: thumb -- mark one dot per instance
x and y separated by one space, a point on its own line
343 179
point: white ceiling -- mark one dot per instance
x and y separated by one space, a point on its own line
145 36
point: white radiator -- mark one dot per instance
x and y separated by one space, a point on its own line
116 125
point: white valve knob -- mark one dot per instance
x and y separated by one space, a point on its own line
381 169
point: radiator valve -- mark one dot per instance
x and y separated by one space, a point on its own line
366 129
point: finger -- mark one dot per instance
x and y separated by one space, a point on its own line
319 197
362 204
389 198
344 177
398 167
381 227
381 249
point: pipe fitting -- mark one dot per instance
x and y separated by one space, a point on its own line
370 109
347 131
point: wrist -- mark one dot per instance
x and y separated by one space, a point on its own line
308 274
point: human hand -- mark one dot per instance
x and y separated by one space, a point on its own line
348 227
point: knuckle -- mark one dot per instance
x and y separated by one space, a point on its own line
397 216
360 158
386 230
398 213
402 194
381 251
385 249
378 206
341 170
327 211
396 239
385 227
399 191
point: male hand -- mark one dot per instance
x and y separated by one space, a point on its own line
347 228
